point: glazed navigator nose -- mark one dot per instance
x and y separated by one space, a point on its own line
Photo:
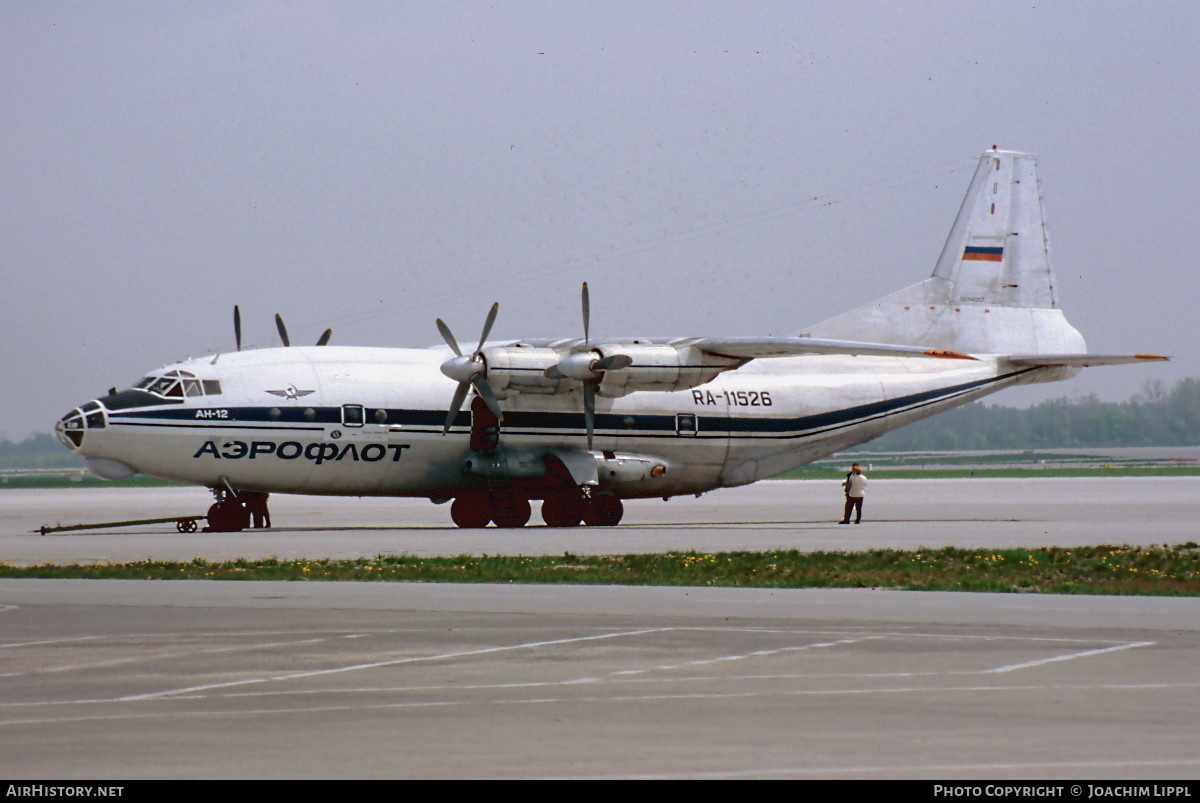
71 428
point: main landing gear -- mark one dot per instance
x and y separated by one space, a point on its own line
476 509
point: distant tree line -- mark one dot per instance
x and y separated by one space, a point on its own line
37 451
1154 416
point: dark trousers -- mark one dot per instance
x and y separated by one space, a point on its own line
853 503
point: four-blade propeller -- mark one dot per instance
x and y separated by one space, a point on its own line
468 371
283 333
586 367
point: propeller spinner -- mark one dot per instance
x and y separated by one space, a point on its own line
587 368
468 371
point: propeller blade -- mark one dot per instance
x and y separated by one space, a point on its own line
283 335
469 371
589 410
613 363
448 336
485 392
487 326
237 326
455 405
587 314
324 339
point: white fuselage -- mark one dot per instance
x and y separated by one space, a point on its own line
368 421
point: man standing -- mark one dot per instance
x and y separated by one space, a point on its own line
856 489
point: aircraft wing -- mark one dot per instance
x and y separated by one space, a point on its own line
1081 360
748 348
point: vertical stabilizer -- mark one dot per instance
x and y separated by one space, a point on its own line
998 252
993 288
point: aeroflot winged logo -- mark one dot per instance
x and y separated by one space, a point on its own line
290 393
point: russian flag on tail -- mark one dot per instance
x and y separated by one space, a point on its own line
978 253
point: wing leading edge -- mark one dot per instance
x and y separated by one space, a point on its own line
749 348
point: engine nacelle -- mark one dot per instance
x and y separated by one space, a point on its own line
523 368
660 367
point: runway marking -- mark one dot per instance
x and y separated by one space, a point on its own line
896 770
4 608
48 641
623 698
1070 656
393 662
156 656
739 657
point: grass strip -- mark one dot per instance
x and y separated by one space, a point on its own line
992 473
74 479
1129 570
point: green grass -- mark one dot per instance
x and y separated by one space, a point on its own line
1160 570
1018 473
77 479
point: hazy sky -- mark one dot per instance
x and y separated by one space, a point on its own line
723 168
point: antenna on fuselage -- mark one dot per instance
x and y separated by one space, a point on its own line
237 326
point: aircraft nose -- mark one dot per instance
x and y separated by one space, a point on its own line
70 428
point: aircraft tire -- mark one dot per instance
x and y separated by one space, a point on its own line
186 525
518 518
471 511
227 517
604 510
562 511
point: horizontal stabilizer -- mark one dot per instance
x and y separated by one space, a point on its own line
1081 360
756 347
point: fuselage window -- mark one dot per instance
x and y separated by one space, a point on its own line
353 415
212 387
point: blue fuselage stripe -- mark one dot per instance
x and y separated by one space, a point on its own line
556 424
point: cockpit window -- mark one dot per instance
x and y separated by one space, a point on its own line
162 386
178 384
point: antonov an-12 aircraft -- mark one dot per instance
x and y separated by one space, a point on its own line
583 425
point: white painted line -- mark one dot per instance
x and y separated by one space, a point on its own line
393 662
1069 657
48 641
623 698
755 654
901 770
147 657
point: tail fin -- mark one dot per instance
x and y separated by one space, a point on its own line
992 291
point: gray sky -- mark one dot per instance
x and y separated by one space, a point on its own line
710 168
